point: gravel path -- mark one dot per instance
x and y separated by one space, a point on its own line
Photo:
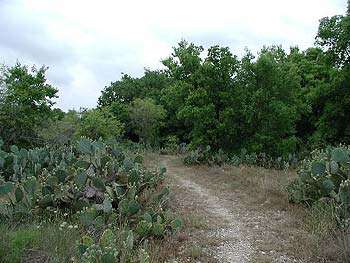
236 246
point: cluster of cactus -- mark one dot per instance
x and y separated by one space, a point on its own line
206 156
325 175
264 160
114 245
97 183
171 145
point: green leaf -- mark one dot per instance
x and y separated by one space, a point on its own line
134 177
107 205
334 167
138 159
134 207
52 180
2 162
87 240
80 178
143 228
318 168
128 164
82 164
84 146
129 244
47 190
87 218
328 185
6 188
147 217
30 185
107 238
340 155
19 194
61 175
108 258
123 206
176 224
97 182
14 149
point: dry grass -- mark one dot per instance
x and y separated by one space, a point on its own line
280 231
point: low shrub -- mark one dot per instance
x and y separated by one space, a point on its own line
325 175
205 155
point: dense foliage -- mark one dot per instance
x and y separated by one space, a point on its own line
276 103
99 186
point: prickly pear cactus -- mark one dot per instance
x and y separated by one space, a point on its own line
325 174
98 185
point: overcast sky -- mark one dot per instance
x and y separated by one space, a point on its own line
87 44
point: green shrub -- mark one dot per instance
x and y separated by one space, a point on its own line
325 175
171 145
100 123
60 132
206 156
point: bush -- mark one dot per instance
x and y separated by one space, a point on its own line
60 132
325 175
146 118
171 145
100 123
206 156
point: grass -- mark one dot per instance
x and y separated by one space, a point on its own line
32 242
194 251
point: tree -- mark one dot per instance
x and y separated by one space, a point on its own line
267 90
333 124
146 118
60 131
201 90
25 103
100 123
334 36
128 89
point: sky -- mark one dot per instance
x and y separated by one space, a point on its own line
88 44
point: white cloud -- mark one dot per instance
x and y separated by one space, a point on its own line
87 44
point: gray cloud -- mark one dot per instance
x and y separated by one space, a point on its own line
87 44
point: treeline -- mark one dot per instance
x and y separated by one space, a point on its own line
277 102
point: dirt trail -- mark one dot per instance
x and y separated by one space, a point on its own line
235 230
236 247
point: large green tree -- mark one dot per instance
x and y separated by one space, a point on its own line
334 36
25 103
